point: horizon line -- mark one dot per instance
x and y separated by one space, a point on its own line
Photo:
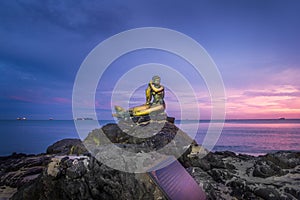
53 119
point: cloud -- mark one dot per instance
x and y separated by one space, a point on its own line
287 76
53 37
270 102
80 17
21 98
61 100
285 90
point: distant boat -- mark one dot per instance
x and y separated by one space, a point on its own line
50 118
21 118
88 118
85 118
281 118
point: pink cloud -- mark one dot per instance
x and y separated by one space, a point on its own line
21 98
61 100
270 102
37 99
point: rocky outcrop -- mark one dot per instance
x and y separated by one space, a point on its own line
225 175
20 169
144 137
69 171
82 177
66 147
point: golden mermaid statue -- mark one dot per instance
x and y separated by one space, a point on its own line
154 102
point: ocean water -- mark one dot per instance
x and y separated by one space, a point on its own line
252 137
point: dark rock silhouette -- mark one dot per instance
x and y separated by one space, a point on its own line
66 147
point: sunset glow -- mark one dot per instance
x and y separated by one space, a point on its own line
258 59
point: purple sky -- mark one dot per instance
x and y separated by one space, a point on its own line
255 44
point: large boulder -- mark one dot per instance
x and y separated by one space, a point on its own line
284 159
66 147
266 169
82 177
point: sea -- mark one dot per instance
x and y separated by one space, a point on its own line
253 137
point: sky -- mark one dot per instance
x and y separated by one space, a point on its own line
255 45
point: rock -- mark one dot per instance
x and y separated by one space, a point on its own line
202 163
52 169
284 159
7 192
162 133
15 171
220 175
266 169
127 135
225 175
240 189
211 160
205 181
76 170
267 193
293 191
84 177
137 140
225 153
66 147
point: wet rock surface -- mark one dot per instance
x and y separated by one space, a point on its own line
82 177
18 170
229 176
69 171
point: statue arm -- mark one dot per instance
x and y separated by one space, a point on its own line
162 96
148 94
